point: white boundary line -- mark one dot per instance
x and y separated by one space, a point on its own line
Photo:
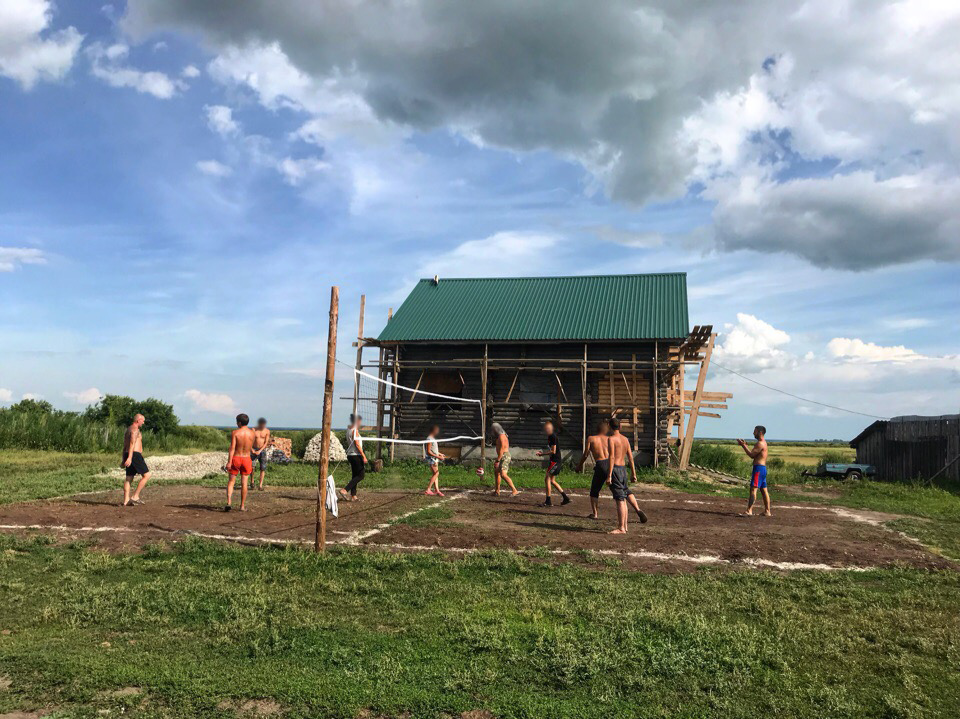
356 537
354 540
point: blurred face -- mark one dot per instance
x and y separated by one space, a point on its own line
757 434
548 428
262 423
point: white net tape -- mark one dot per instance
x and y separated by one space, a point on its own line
374 393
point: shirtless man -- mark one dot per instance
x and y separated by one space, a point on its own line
554 467
618 450
261 447
238 462
597 448
758 453
133 461
501 465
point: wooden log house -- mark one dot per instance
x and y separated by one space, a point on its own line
567 349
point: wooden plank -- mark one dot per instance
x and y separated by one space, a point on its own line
687 444
512 385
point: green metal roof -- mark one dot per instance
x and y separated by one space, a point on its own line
603 307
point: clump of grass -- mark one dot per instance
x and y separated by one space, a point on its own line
834 457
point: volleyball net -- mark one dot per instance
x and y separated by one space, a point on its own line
377 397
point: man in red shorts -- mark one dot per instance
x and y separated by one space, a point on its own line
238 462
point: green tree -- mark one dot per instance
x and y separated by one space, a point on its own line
119 410
32 406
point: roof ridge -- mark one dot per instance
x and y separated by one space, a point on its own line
557 277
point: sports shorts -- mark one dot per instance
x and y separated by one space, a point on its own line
759 480
503 465
137 465
554 468
618 483
600 470
240 465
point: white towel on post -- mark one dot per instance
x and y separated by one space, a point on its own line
332 496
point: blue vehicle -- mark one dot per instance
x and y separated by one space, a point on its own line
842 471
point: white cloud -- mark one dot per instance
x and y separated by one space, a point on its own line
220 120
84 397
106 64
190 72
31 395
753 345
5 395
13 257
211 402
734 101
214 168
524 252
858 350
907 323
295 171
29 52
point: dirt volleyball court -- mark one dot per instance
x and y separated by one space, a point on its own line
685 531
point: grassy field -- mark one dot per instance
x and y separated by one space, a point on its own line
207 630
797 453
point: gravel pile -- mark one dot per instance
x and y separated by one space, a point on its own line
312 453
183 466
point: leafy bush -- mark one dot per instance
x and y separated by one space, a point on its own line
834 457
776 463
720 458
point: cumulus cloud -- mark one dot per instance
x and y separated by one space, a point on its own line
107 64
211 402
190 72
6 395
734 101
295 171
84 397
214 168
220 120
31 395
858 350
753 345
485 257
13 257
29 51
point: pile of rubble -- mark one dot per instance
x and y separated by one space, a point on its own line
183 466
312 453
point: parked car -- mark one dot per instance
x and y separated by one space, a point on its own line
842 471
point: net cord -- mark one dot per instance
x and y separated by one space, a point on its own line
415 391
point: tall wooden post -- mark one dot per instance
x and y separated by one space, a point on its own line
656 406
483 409
695 406
356 377
320 541
583 396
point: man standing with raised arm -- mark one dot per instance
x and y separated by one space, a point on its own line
133 461
619 450
758 475
597 448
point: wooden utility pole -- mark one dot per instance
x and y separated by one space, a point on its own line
483 409
320 542
356 377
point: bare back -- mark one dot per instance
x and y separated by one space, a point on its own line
597 446
132 440
243 441
618 446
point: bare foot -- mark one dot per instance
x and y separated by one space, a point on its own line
515 492
593 516
617 531
767 514
343 493
496 494
354 498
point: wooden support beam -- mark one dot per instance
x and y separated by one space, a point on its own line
560 387
417 388
483 408
512 385
687 444
359 344
583 397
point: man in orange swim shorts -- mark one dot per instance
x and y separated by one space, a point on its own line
238 462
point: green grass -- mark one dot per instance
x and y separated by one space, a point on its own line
351 631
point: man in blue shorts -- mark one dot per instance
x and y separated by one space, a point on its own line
758 475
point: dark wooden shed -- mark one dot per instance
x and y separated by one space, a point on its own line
566 349
912 447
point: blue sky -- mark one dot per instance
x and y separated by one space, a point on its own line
178 192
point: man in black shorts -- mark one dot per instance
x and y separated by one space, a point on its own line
597 448
619 451
554 466
133 461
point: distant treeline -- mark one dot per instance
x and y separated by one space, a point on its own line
36 424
